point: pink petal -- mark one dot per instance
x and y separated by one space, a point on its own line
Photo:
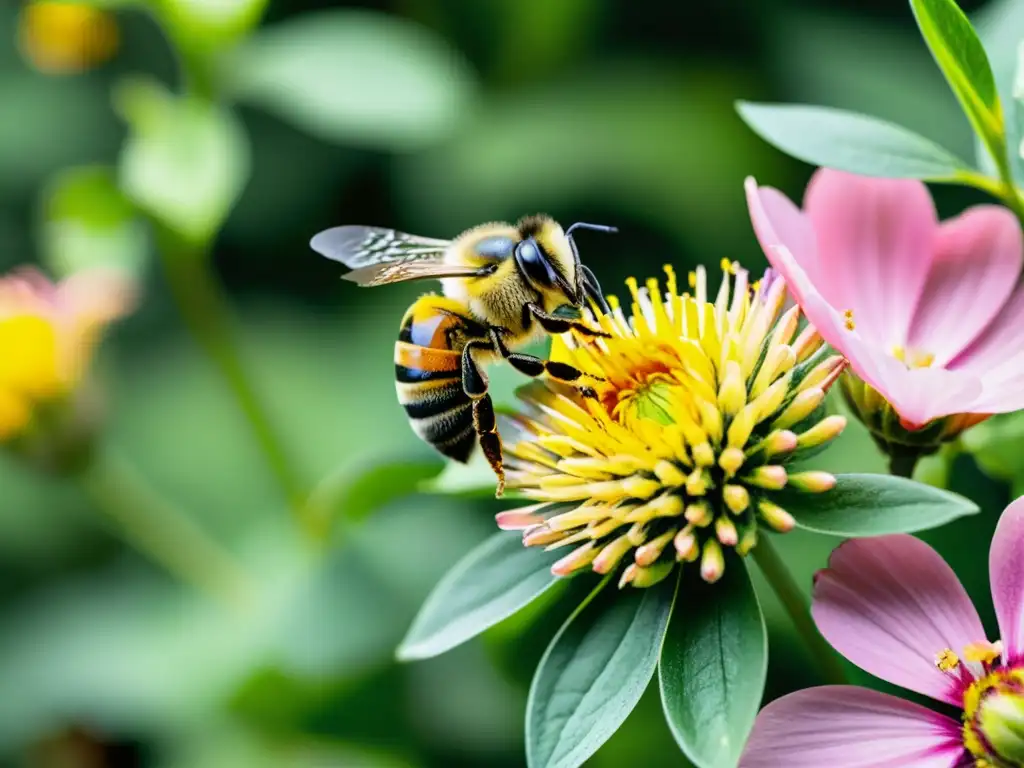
875 241
842 726
890 604
922 394
784 233
997 358
978 258
1006 574
919 394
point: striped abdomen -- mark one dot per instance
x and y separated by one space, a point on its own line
428 374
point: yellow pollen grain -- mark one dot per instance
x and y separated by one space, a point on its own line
848 320
946 660
984 653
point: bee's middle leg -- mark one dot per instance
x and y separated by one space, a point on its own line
533 366
484 423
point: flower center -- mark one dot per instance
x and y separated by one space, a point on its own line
913 358
700 402
994 719
652 399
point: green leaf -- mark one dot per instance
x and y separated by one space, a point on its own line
962 59
594 673
999 26
488 585
185 161
353 496
713 667
475 478
88 222
354 77
873 505
997 445
849 141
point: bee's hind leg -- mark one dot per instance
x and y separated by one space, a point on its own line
490 442
484 423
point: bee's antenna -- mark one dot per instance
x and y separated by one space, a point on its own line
596 227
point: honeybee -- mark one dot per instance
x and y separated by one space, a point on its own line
503 286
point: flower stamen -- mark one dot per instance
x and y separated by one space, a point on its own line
699 406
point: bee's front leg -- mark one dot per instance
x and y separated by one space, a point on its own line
554 324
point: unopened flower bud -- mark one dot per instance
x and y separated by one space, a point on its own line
645 577
736 498
732 395
712 562
725 530
771 477
775 516
825 430
802 406
575 560
812 481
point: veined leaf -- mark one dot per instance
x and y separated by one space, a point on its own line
962 59
713 666
594 673
873 505
849 141
1000 25
488 585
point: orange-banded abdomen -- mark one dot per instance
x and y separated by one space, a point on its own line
428 374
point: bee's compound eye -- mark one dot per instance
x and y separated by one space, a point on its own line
534 264
495 247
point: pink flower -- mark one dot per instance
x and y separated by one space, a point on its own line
928 314
893 607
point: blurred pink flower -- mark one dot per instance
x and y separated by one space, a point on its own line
928 314
48 333
893 607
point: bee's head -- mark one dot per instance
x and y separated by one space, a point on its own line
548 260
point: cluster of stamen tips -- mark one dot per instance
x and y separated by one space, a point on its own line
699 407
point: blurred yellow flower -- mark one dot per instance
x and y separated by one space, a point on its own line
66 37
47 336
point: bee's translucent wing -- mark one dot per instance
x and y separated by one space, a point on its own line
357 246
410 269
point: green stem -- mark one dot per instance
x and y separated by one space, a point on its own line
204 309
153 526
902 464
795 603
1008 187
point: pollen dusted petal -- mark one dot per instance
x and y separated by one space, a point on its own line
890 604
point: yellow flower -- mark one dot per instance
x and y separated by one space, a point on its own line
47 336
66 37
700 403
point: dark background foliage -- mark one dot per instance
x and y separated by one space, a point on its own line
596 110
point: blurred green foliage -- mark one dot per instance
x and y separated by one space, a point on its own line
429 116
